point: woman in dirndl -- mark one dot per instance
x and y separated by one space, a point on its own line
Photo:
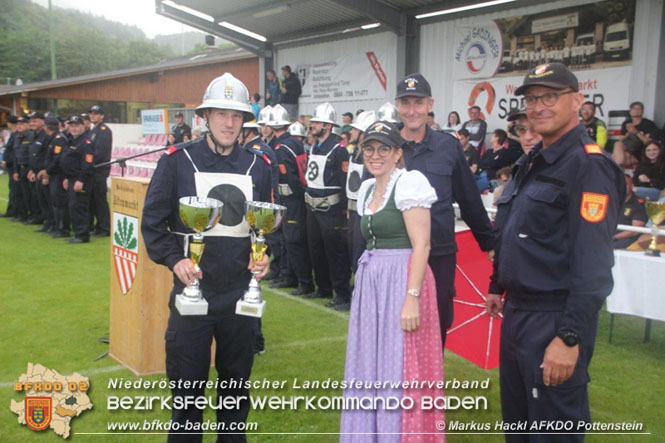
394 341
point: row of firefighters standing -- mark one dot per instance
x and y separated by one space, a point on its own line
320 190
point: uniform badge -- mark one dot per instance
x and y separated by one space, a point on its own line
594 206
540 69
345 167
282 168
38 412
593 148
228 92
103 128
88 158
57 149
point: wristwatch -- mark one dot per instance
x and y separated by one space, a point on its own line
569 338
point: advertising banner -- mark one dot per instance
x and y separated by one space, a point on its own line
348 78
155 121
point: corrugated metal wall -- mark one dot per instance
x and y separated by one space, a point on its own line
385 42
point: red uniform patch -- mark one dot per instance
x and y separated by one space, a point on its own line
57 149
38 412
282 168
89 158
345 167
594 206
171 150
593 149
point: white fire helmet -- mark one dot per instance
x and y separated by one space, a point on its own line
364 120
279 117
298 130
325 113
226 92
251 124
388 112
265 116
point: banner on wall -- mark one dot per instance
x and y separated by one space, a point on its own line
352 77
478 51
606 88
155 121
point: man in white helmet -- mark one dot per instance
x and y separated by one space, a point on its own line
267 134
353 180
326 218
292 160
214 166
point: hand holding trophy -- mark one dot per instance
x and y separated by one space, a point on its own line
198 214
263 218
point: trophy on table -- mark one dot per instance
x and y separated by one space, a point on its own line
656 212
198 214
263 218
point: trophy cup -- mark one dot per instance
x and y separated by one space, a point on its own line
198 214
263 218
656 212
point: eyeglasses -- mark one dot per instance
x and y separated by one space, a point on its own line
369 150
521 130
548 99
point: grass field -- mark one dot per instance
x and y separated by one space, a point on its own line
55 300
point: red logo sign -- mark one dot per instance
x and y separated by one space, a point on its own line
38 412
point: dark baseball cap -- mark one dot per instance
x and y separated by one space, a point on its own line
550 75
36 114
96 109
76 119
22 119
385 132
12 119
52 120
179 114
515 114
348 114
413 85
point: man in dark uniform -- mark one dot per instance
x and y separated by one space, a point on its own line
102 141
356 243
562 203
292 161
181 131
54 177
440 158
77 164
8 165
326 218
214 166
633 213
87 124
37 164
25 211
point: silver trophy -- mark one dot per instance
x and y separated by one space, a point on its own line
263 218
199 214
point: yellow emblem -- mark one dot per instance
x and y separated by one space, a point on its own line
594 206
593 148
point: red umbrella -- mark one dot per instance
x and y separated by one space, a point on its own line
474 335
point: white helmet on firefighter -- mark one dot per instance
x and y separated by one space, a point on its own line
364 120
265 116
297 129
226 92
251 125
279 117
325 113
337 131
388 112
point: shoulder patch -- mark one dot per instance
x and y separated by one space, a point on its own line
345 167
89 158
266 159
257 148
593 148
57 149
102 127
593 207
640 200
171 150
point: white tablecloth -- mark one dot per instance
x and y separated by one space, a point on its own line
639 285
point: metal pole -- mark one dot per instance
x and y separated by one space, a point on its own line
54 75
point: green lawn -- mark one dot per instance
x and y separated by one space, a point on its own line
54 308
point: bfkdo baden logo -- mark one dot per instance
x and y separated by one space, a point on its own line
125 249
52 400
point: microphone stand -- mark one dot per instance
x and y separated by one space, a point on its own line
123 161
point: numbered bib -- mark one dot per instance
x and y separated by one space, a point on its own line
353 180
231 189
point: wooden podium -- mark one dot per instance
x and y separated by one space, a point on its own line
139 287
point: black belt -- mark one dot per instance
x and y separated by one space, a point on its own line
539 302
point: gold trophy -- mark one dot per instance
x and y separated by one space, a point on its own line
656 212
198 214
263 218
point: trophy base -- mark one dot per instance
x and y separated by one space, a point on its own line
250 309
188 306
652 252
